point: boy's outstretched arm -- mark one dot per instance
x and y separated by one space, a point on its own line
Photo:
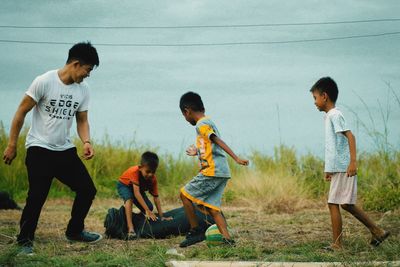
352 169
191 151
149 213
160 212
228 150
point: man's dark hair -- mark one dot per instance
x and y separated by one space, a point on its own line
192 101
326 85
149 159
85 53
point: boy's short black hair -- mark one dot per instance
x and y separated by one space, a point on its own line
149 159
326 85
85 53
192 101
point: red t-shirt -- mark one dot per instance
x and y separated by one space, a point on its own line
133 176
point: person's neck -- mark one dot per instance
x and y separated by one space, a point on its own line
199 115
65 76
329 106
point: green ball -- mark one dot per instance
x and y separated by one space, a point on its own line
214 236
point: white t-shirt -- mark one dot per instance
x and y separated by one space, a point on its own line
56 105
337 152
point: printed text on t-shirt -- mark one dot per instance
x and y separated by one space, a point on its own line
63 108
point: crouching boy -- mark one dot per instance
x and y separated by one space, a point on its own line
132 187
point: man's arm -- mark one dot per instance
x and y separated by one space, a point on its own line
83 129
24 107
352 169
227 149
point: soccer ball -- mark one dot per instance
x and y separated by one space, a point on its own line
214 236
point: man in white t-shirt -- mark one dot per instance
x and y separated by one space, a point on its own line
341 165
56 98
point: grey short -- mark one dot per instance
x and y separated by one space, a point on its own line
205 190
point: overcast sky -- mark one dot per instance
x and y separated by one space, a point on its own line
256 93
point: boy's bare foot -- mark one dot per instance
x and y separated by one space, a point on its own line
132 236
377 240
228 242
333 247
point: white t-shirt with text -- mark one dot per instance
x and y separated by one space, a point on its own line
55 109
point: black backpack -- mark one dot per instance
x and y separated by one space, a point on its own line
115 223
7 203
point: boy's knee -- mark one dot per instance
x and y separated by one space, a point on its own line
333 206
347 207
182 196
128 202
213 212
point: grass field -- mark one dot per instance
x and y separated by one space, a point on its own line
261 236
276 207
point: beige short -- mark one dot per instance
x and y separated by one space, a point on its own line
343 189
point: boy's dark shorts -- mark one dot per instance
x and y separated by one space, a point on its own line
125 191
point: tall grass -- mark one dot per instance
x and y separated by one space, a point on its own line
13 180
379 171
111 159
282 181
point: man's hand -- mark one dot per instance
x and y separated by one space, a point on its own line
352 169
191 151
9 154
24 107
88 151
151 215
328 176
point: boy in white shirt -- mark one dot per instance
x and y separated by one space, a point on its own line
341 165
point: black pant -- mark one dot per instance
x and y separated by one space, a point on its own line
43 165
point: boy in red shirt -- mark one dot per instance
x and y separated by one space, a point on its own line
132 185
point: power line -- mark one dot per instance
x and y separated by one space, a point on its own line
205 26
209 44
